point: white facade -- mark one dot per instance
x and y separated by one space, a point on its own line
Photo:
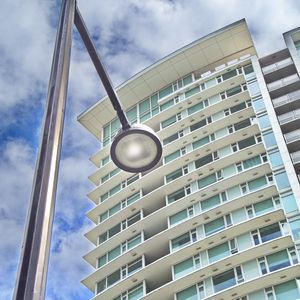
218 217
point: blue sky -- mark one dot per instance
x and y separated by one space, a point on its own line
130 35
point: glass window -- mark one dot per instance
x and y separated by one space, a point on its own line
214 226
133 198
114 209
218 252
172 156
136 293
182 215
192 91
243 124
198 125
206 181
203 161
295 226
257 183
246 142
168 122
114 230
229 74
166 105
251 162
270 232
113 278
105 160
210 202
282 181
181 241
233 91
195 108
174 175
183 268
214 99
102 261
225 151
114 253
101 285
188 79
259 104
234 192
287 290
217 116
264 121
170 139
238 107
275 159
165 92
188 294
269 139
132 115
278 260
228 171
176 195
134 241
253 88
263 207
115 189
289 203
224 280
248 69
201 142
135 266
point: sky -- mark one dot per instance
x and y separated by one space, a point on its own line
129 35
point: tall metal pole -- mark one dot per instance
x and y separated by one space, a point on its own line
32 272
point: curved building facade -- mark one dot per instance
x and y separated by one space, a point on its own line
218 217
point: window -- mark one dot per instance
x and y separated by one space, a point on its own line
206 181
176 195
264 121
199 143
269 139
184 240
257 183
282 181
172 156
278 260
233 91
168 122
242 124
224 280
287 290
214 226
183 268
275 159
203 161
180 216
218 252
188 294
270 232
174 175
210 202
263 207
195 108
246 142
198 125
192 92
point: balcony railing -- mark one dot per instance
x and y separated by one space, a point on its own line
295 157
289 117
277 66
292 136
286 98
283 82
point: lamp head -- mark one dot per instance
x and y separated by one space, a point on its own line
136 149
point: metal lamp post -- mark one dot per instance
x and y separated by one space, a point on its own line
130 151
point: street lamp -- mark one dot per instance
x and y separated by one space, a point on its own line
136 148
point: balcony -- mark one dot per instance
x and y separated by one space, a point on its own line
287 102
277 66
293 140
288 121
295 156
278 70
284 86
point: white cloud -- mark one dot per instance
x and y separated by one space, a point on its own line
131 35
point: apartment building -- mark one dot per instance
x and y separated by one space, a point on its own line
218 217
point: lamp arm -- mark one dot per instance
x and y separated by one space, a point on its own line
112 95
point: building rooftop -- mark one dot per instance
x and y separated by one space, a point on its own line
206 53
